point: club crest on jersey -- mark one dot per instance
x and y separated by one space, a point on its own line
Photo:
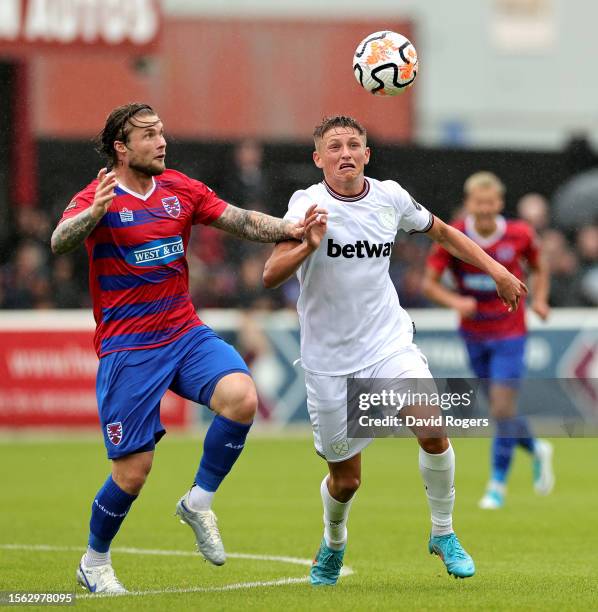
115 432
388 217
126 215
505 253
172 206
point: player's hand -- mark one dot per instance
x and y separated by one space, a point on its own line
104 193
315 224
466 306
510 289
541 308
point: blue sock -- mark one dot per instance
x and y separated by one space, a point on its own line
503 446
525 437
108 511
222 446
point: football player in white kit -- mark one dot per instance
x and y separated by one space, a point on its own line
352 325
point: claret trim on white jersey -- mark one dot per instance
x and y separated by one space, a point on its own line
342 198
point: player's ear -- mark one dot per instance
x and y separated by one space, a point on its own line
317 159
367 156
120 147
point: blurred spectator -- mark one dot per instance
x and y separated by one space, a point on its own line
250 289
26 277
564 269
587 245
575 203
65 292
533 208
579 153
33 224
587 248
246 184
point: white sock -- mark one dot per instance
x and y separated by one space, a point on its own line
499 487
200 499
93 558
438 472
336 514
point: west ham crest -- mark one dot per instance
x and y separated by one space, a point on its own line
115 432
172 206
341 447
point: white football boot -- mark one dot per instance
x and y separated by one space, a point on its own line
204 525
100 579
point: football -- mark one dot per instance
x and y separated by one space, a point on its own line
385 63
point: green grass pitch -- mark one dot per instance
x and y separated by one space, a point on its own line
536 553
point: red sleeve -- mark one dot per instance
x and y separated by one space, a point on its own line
438 259
83 200
208 206
531 249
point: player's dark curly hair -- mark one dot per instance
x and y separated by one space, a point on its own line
340 121
118 125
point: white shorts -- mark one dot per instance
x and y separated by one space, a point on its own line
327 401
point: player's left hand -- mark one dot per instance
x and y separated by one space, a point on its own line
541 308
510 290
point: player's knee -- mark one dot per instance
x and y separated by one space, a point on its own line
132 483
238 401
345 487
131 475
434 446
245 407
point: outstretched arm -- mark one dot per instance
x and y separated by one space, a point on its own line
509 287
72 232
257 226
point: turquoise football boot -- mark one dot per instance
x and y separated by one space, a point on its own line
458 562
327 565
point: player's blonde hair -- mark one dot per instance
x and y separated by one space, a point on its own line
483 179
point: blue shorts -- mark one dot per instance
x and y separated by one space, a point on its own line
498 360
130 385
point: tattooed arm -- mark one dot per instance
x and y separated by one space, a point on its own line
72 232
257 226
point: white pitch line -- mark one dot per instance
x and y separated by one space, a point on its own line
152 551
226 587
345 571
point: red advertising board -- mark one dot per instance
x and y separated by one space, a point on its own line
47 378
32 25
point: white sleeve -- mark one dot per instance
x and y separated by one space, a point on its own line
298 205
413 217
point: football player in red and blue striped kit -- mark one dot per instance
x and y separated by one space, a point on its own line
135 221
494 336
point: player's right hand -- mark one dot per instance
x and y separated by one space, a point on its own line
315 224
510 290
104 193
467 306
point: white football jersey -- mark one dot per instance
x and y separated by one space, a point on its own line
348 307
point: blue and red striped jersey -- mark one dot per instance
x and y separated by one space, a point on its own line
515 246
138 271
